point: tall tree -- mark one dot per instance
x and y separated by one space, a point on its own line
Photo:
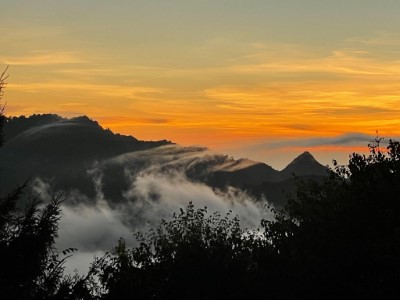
30 266
3 78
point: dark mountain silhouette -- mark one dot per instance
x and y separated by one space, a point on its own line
60 150
73 139
261 180
253 174
278 192
304 165
71 154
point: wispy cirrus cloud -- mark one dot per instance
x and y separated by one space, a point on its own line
354 138
347 141
114 90
45 58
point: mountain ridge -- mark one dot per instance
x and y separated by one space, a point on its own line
63 152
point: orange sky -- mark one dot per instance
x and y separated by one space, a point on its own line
234 77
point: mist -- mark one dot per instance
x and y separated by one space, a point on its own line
152 192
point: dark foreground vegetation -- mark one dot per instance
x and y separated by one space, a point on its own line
339 239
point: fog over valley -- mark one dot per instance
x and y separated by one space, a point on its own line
114 184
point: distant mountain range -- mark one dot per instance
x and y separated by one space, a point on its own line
69 154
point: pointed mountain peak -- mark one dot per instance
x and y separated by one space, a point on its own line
304 164
304 156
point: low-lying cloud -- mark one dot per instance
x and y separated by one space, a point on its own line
345 139
158 195
91 228
153 191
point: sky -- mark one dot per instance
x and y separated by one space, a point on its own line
263 79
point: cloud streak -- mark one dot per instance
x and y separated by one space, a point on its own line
345 139
41 59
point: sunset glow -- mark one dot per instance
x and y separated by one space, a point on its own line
229 75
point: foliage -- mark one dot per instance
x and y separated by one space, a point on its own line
336 239
3 78
343 234
193 256
31 267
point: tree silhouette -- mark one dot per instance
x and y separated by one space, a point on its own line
343 234
195 255
30 266
3 78
336 239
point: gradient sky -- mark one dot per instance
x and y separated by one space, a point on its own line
264 79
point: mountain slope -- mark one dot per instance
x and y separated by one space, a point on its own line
59 150
79 156
254 174
304 165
